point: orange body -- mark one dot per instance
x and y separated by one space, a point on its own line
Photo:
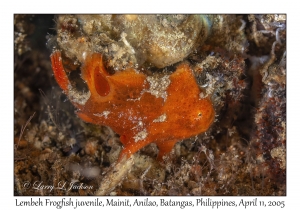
122 101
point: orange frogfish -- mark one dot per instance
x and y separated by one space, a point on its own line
124 101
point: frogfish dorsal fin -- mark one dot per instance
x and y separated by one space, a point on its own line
95 74
101 84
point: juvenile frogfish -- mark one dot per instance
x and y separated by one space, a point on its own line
124 102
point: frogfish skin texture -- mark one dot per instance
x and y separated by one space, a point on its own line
124 102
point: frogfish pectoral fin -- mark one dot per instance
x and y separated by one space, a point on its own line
131 148
165 147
